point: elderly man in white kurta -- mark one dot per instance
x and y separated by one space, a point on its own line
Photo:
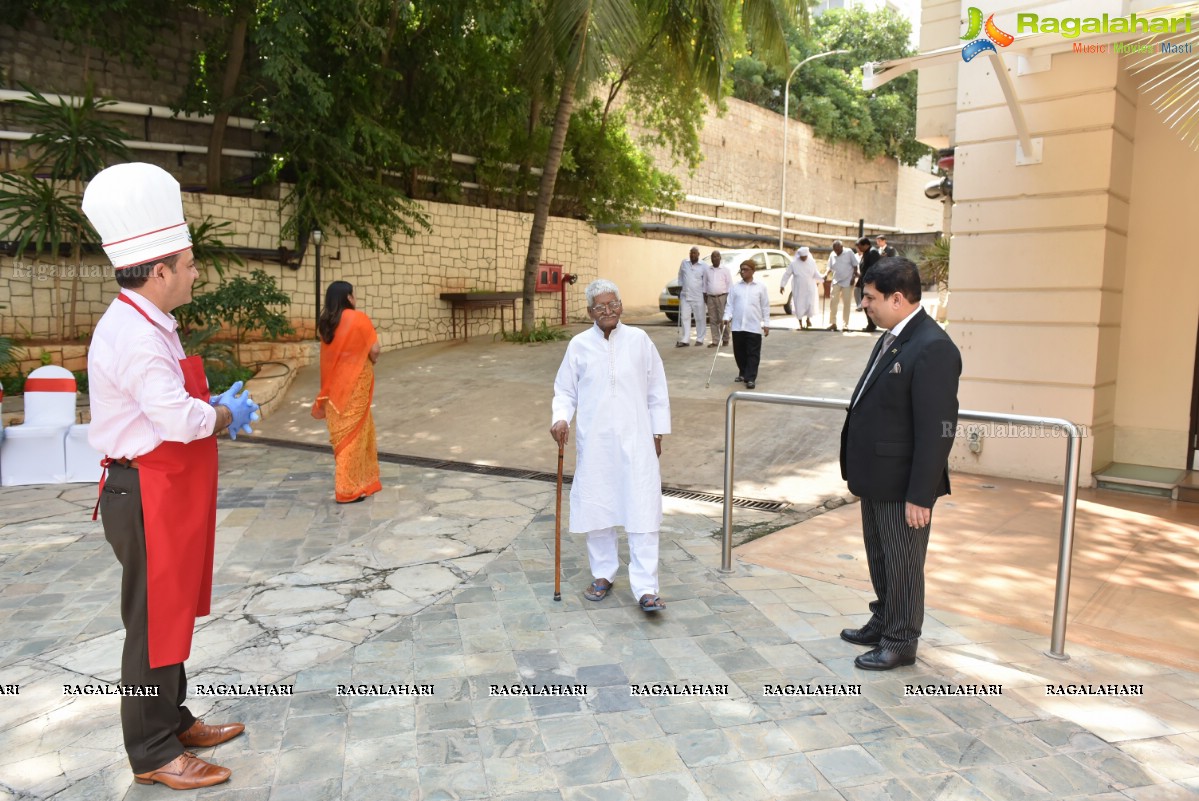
803 274
612 383
691 299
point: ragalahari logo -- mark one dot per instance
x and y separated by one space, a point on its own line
993 37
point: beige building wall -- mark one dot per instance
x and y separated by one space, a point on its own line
913 211
1160 314
937 88
641 267
1068 297
1039 254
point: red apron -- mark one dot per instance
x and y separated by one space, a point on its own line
178 486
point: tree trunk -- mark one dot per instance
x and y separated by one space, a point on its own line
216 137
73 329
522 197
549 176
60 318
76 259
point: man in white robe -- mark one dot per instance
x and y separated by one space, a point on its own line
803 275
612 384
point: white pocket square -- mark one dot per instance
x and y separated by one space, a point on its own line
896 368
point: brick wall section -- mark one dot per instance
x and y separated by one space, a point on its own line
468 249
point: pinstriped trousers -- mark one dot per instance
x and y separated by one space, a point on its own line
895 554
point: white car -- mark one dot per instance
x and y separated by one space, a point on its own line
771 264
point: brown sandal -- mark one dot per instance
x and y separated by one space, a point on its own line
597 591
651 603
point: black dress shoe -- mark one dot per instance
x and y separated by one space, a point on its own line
750 385
740 379
860 636
880 659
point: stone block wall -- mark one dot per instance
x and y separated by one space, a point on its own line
34 57
743 152
467 249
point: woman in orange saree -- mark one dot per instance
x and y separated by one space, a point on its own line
349 350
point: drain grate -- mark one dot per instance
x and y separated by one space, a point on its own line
516 472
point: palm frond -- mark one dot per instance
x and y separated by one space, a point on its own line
1170 81
71 140
35 213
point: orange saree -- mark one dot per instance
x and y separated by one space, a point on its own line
347 387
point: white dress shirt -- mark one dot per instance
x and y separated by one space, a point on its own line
135 383
748 307
842 266
717 280
691 278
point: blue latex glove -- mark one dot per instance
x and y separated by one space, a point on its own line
243 407
227 395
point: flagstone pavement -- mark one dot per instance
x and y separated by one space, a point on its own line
443 583
446 579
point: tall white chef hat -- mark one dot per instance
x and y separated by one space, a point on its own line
138 212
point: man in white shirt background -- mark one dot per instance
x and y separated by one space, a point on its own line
842 265
748 312
717 280
691 299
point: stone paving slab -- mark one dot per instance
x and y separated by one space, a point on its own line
446 579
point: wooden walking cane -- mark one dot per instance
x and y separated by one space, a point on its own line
558 531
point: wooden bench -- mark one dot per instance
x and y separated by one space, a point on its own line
465 301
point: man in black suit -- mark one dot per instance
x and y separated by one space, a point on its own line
868 257
895 454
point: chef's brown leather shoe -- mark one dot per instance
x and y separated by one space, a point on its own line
185 772
201 735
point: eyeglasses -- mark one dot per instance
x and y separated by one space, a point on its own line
600 308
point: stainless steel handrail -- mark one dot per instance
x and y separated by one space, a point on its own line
1057 642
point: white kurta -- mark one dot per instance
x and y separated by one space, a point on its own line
615 389
803 275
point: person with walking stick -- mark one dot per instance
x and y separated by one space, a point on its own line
748 314
612 384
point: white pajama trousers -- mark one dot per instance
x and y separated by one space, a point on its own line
690 307
643 559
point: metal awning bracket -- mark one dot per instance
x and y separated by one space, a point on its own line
1028 150
1032 157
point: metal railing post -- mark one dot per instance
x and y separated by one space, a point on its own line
730 426
1057 641
1065 557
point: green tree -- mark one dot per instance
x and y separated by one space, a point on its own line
828 95
605 177
579 41
245 304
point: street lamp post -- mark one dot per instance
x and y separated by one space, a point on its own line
317 236
786 119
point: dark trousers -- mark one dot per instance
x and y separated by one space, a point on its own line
150 725
747 350
895 554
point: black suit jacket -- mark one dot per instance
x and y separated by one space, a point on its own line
897 436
